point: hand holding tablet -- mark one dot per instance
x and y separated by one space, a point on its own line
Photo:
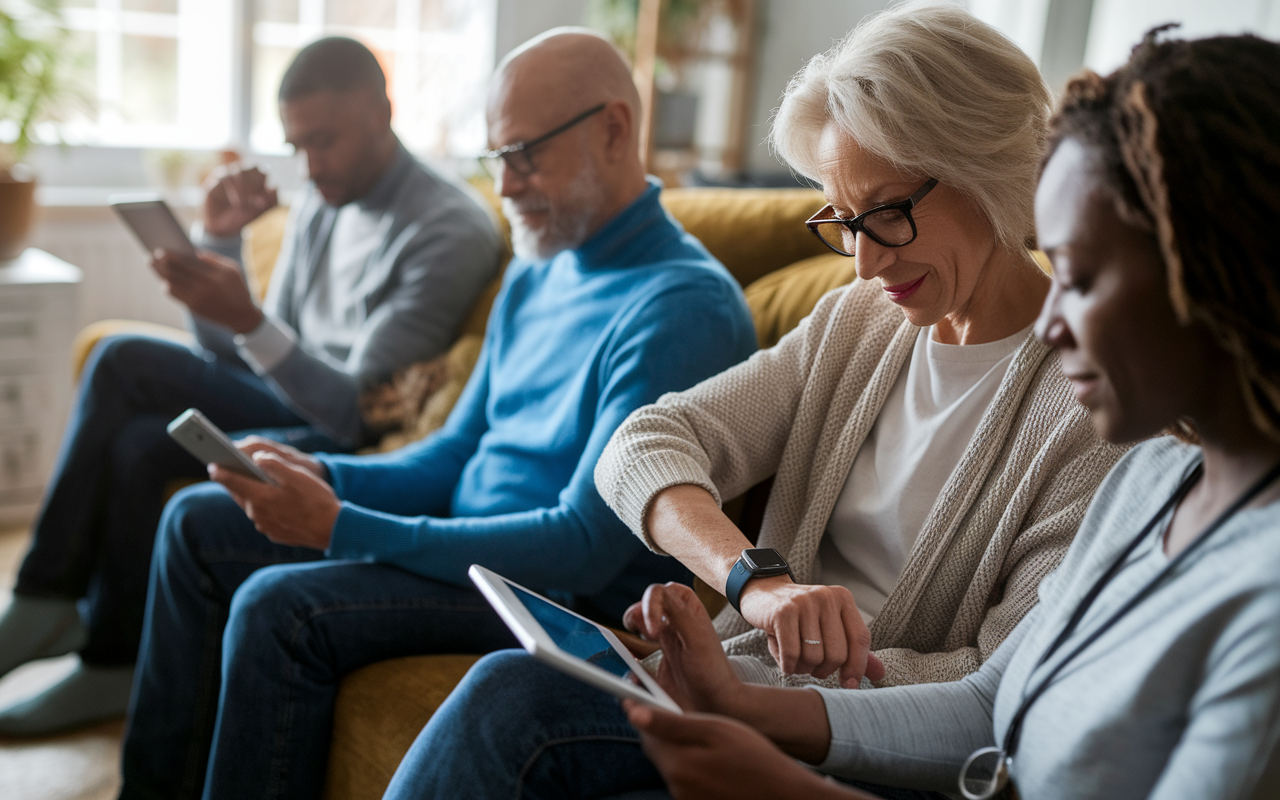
152 223
569 642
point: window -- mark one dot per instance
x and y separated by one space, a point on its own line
157 73
203 74
437 55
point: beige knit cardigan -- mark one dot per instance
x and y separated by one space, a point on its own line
802 409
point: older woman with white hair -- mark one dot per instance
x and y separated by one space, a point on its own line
930 462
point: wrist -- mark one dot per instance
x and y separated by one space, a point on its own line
755 564
741 701
248 321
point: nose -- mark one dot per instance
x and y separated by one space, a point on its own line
313 165
1051 328
509 182
873 257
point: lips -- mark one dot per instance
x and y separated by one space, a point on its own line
1083 386
902 291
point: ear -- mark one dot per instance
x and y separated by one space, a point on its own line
620 126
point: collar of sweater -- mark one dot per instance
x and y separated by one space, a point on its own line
628 238
384 189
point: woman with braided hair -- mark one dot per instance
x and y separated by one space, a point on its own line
1151 666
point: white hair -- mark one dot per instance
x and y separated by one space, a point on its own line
935 92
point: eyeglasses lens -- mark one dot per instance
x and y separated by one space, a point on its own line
493 166
891 226
984 774
837 236
518 162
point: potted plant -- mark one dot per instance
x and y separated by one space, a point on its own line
32 43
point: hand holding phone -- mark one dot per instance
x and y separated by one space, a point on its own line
202 439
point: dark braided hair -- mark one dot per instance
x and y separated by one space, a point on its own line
1187 139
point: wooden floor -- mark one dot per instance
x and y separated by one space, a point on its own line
78 766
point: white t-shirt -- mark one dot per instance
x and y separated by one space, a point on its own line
927 421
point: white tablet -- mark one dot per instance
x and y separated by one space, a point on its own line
571 643
153 223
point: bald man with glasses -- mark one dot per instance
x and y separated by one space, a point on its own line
264 596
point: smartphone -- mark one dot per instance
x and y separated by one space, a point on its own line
202 439
152 223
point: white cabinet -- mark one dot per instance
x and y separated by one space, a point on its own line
38 317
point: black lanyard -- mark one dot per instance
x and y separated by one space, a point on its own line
1015 725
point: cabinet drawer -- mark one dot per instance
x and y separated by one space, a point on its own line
19 332
23 398
19 458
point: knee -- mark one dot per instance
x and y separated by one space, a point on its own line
192 516
507 679
113 358
268 606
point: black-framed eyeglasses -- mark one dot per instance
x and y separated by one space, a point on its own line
517 156
890 224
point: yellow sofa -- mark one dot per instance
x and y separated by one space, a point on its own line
759 236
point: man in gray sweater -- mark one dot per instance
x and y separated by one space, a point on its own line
381 261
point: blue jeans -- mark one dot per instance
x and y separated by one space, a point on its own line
245 644
94 534
515 728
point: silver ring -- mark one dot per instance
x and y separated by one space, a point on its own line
812 641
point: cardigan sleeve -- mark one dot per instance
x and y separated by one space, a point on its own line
725 434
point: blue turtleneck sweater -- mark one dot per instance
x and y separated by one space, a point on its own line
573 346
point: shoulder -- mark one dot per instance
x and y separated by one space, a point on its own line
683 291
446 203
1135 488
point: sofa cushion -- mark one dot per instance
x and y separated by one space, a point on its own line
752 231
779 300
379 711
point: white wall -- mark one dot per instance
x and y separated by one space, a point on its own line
521 20
791 33
1117 25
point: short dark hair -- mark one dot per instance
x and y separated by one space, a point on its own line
334 64
1185 137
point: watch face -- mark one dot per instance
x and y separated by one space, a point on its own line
763 558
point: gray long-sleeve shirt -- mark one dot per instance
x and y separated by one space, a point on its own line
1179 700
363 290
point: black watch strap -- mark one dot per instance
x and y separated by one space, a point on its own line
747 568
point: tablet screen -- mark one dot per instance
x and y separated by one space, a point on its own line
575 636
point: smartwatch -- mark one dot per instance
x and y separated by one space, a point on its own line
756 562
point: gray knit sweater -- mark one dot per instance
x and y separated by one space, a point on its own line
803 408
1179 700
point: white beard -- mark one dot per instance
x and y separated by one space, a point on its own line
568 222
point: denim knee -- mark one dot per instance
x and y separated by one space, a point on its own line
268 606
516 685
192 514
117 357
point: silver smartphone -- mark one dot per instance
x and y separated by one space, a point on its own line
152 223
202 439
